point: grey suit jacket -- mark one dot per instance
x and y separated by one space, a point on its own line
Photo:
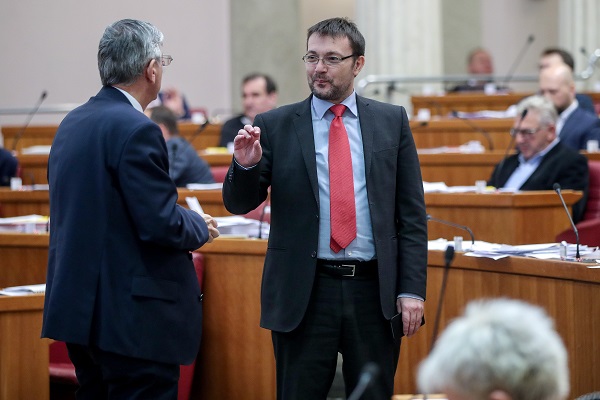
288 166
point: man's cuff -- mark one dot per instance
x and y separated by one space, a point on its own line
241 166
411 296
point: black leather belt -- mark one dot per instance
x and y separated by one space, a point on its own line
348 268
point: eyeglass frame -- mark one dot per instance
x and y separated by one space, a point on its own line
166 60
337 59
526 133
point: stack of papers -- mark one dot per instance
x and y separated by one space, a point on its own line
440 187
238 226
25 224
23 290
204 186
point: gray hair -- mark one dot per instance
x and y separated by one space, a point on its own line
125 49
498 344
542 106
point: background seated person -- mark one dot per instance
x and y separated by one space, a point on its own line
554 56
498 350
173 100
259 95
8 167
479 62
574 126
185 166
541 159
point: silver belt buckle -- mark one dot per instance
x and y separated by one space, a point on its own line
349 266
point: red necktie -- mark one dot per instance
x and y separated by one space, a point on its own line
341 184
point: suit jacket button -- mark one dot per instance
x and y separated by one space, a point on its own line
313 254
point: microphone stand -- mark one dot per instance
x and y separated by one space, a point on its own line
463 227
476 128
556 188
29 117
448 257
517 61
200 129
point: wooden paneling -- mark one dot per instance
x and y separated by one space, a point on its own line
24 259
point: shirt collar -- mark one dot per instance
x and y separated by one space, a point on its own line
569 110
539 155
320 106
136 104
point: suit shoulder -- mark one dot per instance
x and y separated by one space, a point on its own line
379 104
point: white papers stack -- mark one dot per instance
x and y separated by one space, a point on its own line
23 290
243 227
440 187
24 224
204 186
36 150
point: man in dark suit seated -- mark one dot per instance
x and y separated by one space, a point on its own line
185 165
554 56
541 159
574 126
479 65
121 287
8 167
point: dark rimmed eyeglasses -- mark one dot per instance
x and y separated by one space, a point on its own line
331 61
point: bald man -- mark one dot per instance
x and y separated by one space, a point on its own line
575 126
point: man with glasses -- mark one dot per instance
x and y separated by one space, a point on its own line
345 269
541 159
121 288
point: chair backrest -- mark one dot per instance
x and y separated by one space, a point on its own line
219 172
592 208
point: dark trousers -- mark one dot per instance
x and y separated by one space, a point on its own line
105 375
344 315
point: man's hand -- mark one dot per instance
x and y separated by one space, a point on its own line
246 146
213 232
412 314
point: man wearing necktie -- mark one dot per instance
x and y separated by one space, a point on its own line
348 243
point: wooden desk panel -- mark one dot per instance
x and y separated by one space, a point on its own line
455 132
473 101
23 355
456 169
34 168
24 259
23 202
510 218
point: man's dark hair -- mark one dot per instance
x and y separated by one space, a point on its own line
565 55
164 115
271 85
338 27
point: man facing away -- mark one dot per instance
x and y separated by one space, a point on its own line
348 243
121 289
259 94
185 165
541 160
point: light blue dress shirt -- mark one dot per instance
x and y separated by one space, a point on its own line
363 247
526 168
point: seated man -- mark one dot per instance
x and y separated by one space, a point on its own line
8 167
185 166
575 126
554 56
498 350
541 159
479 62
173 100
259 94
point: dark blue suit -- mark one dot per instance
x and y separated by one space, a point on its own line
580 127
120 275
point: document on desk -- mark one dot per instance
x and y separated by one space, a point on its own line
204 186
23 290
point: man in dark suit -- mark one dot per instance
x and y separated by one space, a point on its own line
259 94
121 288
327 289
542 160
8 167
575 126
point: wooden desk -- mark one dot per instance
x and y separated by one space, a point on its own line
454 132
470 102
236 355
458 169
510 218
34 168
23 355
216 159
24 259
23 202
43 135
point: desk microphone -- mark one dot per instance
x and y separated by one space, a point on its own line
518 60
556 188
448 257
475 128
368 374
29 117
463 227
200 129
510 145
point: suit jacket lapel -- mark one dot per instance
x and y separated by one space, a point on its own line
367 124
304 131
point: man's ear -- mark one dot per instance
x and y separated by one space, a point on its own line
150 72
499 395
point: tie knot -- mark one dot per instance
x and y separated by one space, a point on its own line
338 109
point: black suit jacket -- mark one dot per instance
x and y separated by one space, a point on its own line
120 275
560 165
288 166
580 127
